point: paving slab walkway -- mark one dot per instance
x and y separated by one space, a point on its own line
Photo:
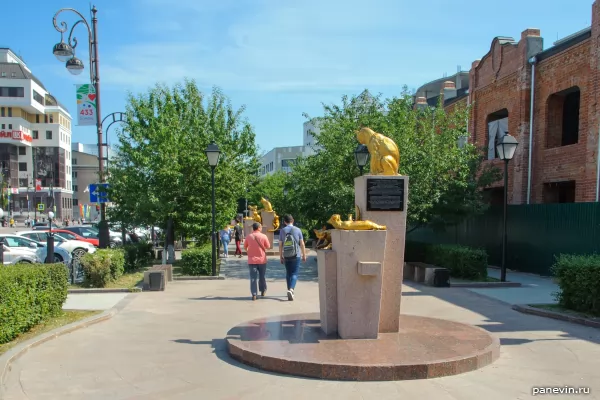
170 345
535 289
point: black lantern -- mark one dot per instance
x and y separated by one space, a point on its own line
361 155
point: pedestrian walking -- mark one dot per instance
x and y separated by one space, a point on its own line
225 235
291 251
255 245
239 236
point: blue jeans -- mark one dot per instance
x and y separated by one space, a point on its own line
291 272
225 246
257 269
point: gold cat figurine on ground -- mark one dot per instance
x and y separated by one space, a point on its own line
324 236
385 156
337 223
255 214
266 204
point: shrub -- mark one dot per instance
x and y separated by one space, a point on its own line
30 294
197 261
305 234
137 256
578 278
415 251
463 262
102 267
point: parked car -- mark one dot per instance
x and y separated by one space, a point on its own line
91 232
40 249
77 248
17 251
43 225
68 235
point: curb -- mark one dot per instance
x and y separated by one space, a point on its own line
13 354
198 278
526 309
485 284
103 290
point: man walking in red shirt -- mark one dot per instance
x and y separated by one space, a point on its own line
255 245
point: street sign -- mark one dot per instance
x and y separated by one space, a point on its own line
41 207
98 193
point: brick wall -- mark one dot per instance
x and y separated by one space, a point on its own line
502 80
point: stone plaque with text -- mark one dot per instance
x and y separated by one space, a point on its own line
385 194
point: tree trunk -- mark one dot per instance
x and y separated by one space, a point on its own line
170 241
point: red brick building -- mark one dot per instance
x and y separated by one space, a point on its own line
559 162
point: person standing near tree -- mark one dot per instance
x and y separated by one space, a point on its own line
239 236
255 245
291 251
225 235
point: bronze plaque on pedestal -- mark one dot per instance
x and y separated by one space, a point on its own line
385 194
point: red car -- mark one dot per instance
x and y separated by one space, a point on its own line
73 236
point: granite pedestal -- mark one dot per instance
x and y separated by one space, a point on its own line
248 227
267 223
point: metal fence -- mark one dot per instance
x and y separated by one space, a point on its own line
536 233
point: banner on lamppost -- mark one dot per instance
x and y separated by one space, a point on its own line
86 105
38 184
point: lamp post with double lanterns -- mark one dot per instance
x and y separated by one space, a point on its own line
65 52
505 147
361 156
212 153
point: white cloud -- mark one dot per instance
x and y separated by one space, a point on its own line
266 45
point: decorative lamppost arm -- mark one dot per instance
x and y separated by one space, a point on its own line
72 40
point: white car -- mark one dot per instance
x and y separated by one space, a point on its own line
17 245
77 248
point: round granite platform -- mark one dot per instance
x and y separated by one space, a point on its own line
424 348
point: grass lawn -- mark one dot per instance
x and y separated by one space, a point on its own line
562 310
126 281
66 318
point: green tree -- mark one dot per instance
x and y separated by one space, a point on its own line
271 187
445 179
161 172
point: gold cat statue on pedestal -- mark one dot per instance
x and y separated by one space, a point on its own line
266 204
385 156
275 223
255 214
337 223
324 236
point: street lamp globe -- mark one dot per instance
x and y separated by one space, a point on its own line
361 155
506 146
212 153
50 215
62 51
75 65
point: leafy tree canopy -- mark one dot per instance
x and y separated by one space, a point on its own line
161 170
445 178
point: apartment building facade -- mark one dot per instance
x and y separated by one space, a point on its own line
279 159
546 99
35 142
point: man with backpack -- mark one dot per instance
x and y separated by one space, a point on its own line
291 251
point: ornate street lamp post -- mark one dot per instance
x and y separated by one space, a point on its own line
65 52
50 240
505 147
212 153
361 155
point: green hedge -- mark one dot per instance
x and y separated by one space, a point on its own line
197 261
463 262
30 294
137 256
102 267
578 277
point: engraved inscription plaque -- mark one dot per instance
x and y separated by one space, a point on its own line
385 194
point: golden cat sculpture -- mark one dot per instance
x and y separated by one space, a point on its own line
275 223
385 156
255 214
266 204
324 236
337 223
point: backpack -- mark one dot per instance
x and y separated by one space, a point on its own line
290 245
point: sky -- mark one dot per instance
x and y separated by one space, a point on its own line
277 58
